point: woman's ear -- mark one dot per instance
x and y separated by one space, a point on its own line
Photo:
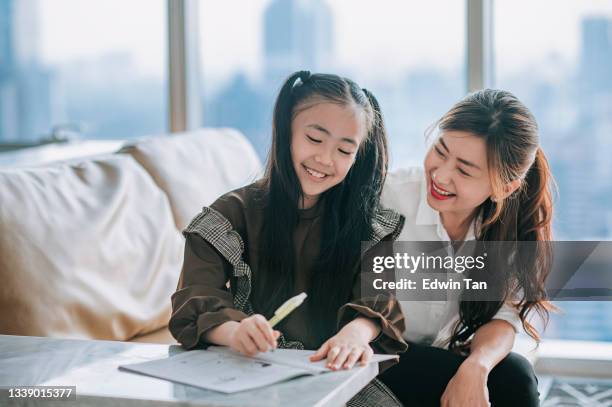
509 188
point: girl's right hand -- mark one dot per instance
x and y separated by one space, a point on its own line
252 335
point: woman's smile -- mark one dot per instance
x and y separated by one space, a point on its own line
439 193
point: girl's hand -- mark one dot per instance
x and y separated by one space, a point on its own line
467 388
252 335
348 346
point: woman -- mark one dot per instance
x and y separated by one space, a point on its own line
485 178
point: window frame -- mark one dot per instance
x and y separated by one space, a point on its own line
184 104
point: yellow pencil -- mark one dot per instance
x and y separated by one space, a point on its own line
287 307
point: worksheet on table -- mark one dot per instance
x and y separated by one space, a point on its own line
221 369
216 371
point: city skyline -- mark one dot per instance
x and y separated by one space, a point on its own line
246 102
116 89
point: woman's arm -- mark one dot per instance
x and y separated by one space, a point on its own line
492 342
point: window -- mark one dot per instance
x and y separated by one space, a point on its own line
560 64
100 69
94 68
378 44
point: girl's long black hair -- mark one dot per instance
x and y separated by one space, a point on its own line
349 207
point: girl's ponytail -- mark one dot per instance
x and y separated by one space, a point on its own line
283 106
281 125
375 147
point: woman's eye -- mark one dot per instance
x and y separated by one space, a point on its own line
464 173
345 152
440 153
314 140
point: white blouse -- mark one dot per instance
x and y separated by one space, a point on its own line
428 322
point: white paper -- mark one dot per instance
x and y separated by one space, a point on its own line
215 371
296 358
224 370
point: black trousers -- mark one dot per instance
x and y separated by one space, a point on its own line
421 376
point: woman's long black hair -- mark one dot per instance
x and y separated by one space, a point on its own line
510 132
349 207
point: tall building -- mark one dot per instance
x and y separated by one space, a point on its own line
596 54
580 160
6 48
298 34
8 115
595 125
25 86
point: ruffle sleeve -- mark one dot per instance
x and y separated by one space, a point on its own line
203 300
386 312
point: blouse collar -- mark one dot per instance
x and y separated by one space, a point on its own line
426 215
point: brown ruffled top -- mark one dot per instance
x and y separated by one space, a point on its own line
203 299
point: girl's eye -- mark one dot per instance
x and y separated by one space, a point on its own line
314 140
440 153
464 173
345 152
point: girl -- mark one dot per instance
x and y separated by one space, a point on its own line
298 229
484 178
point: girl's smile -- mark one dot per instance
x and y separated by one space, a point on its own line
314 175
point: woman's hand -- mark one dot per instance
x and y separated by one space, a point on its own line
349 345
252 335
467 388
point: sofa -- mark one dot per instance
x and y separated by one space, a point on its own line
91 247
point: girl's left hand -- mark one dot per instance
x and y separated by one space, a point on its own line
344 349
467 388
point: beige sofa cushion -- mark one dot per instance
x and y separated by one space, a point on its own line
87 249
197 167
162 336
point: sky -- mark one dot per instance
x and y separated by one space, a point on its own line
407 34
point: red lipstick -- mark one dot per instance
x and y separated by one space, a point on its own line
438 195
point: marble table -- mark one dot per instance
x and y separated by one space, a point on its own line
91 366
